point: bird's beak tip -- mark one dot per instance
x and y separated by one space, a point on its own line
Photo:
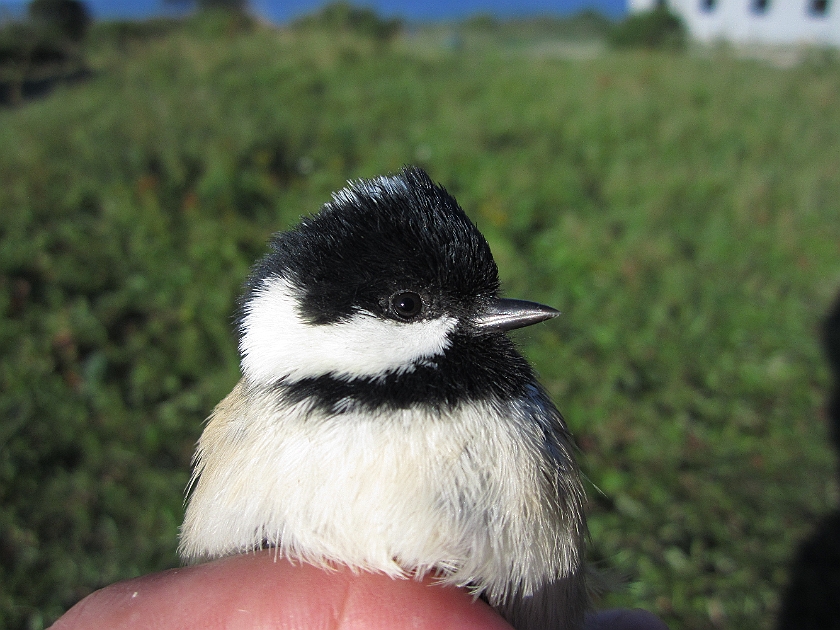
505 314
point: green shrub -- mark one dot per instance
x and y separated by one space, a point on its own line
230 6
347 18
70 18
44 50
214 22
482 22
658 28
123 32
26 45
34 58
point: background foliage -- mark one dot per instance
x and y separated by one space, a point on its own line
658 28
42 49
681 211
70 18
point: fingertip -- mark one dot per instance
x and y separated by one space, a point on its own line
261 590
376 601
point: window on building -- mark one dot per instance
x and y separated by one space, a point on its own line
818 7
760 6
707 6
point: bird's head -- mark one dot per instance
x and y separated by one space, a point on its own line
389 288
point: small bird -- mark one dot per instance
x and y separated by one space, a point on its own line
385 421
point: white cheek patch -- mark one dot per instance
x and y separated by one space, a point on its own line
276 343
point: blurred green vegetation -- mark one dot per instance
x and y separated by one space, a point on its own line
682 212
657 28
343 17
584 24
69 18
42 50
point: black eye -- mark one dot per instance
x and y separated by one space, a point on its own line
406 304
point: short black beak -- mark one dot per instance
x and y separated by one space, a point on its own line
504 314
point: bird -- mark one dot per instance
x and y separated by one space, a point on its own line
385 421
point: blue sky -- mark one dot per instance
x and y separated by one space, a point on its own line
281 11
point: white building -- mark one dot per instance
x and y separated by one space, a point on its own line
774 22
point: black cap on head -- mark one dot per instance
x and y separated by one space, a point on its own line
380 236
